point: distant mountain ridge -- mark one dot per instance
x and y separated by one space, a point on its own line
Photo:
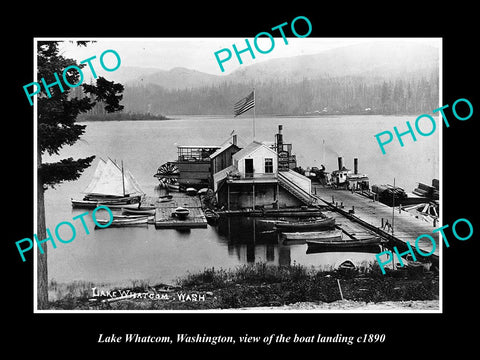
376 59
374 78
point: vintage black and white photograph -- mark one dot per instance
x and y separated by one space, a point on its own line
271 174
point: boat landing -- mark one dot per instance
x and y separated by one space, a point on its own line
164 210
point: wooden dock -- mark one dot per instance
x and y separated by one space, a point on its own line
164 210
406 227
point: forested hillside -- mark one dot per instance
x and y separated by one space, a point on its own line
330 95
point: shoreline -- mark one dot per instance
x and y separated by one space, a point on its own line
262 287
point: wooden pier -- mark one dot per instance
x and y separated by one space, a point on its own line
370 214
164 210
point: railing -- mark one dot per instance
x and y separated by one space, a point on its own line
295 190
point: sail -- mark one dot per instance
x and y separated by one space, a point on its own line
107 181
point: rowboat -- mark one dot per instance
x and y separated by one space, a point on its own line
141 211
345 244
347 265
124 222
174 187
91 204
181 212
318 224
313 235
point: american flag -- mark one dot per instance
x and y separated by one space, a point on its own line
245 104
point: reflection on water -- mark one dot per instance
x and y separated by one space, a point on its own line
120 255
253 240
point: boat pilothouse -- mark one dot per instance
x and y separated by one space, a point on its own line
344 177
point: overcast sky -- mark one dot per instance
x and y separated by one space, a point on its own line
198 53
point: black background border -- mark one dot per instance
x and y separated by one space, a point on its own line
421 333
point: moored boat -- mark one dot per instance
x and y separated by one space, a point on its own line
124 222
348 244
318 224
141 211
173 187
112 186
313 235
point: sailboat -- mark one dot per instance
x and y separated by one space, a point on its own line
113 186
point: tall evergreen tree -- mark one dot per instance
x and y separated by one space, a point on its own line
56 128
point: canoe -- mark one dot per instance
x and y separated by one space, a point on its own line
319 224
349 244
138 211
313 235
181 212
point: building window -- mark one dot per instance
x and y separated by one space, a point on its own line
268 166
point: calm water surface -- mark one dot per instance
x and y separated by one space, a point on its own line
119 255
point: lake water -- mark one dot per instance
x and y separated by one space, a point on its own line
119 255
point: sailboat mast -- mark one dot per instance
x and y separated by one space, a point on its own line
123 180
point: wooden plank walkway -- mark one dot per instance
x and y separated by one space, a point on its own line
406 227
164 210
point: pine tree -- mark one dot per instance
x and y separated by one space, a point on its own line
56 128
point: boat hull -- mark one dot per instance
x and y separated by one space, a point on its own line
91 204
138 211
313 235
323 224
123 222
320 244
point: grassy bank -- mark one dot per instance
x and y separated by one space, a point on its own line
262 285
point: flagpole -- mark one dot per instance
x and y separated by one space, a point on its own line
254 113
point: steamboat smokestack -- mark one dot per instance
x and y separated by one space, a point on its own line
280 139
340 163
355 166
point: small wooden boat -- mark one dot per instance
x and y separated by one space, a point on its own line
165 197
313 235
88 204
318 224
141 211
191 191
124 222
174 187
347 265
349 244
181 213
119 206
91 204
